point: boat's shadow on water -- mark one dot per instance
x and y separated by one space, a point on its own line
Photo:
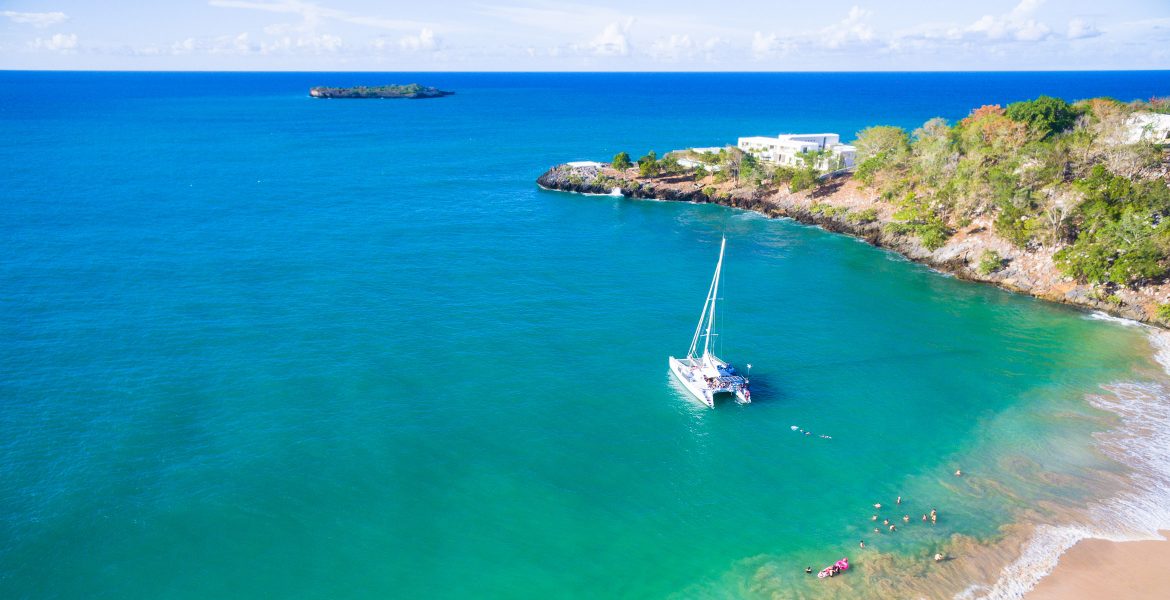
764 391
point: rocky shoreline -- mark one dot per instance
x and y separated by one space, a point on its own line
842 205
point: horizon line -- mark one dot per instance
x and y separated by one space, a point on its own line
581 71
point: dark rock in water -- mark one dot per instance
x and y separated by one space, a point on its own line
410 91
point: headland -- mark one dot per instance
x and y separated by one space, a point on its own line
1071 212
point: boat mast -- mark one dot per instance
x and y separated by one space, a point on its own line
714 295
711 293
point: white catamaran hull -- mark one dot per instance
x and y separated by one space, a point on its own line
690 375
702 373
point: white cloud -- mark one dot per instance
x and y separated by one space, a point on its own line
44 19
1016 25
1079 29
313 15
424 41
224 44
681 47
1025 8
612 41
853 29
312 43
672 48
770 46
65 43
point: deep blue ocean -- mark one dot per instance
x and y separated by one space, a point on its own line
254 344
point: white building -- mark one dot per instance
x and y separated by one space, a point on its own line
1154 127
785 149
690 163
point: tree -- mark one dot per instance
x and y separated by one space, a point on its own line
669 165
621 161
1044 116
730 159
881 154
648 164
882 142
933 150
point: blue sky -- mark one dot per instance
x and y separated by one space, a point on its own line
540 35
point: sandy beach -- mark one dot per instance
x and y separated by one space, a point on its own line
1095 569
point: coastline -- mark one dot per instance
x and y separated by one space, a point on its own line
1070 541
834 206
1095 568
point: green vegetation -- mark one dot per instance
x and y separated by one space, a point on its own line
410 90
1044 116
648 165
1162 313
730 164
861 217
1046 173
989 262
829 210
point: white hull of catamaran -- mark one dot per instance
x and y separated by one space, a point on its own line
692 381
696 388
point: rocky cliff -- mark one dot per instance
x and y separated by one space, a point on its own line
841 205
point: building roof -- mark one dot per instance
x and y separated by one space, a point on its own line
759 139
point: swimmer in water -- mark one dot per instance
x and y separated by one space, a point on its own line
923 518
938 557
905 518
892 528
808 569
886 522
873 518
878 506
899 500
862 543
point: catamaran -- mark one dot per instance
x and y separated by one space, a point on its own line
702 373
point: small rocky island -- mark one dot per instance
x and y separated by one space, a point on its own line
410 91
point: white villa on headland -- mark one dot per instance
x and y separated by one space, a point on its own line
585 164
690 163
786 149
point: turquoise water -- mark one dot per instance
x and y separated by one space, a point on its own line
254 344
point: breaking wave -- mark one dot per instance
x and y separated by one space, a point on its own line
1141 441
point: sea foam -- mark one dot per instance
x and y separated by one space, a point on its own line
1142 442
